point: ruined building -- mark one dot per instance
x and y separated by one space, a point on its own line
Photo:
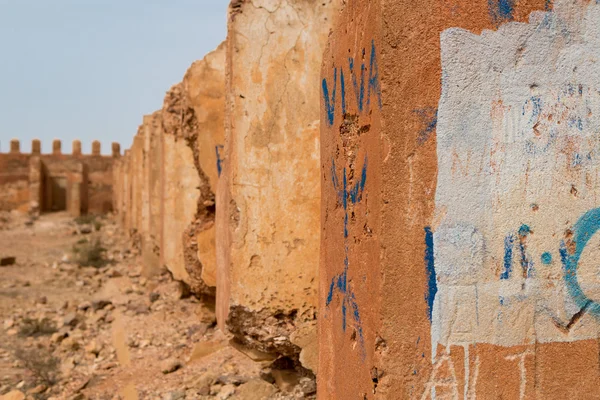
436 228
77 183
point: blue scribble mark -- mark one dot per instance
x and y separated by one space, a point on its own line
340 282
374 77
509 242
501 10
430 268
343 87
373 86
429 118
219 159
583 231
360 92
546 258
526 261
330 101
536 104
524 230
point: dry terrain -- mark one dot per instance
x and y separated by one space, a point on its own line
79 320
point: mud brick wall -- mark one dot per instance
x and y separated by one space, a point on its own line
458 170
269 205
86 179
14 182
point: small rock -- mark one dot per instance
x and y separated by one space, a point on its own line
6 261
176 395
286 380
100 304
308 386
38 389
70 320
226 392
9 323
84 306
58 337
170 365
215 389
93 348
14 395
139 309
70 343
85 229
42 300
231 380
205 382
154 296
256 389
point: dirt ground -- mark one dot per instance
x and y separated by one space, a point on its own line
79 321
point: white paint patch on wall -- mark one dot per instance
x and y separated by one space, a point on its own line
519 161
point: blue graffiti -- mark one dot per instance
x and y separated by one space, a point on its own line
546 258
429 119
583 231
339 283
219 159
501 10
360 92
374 77
430 268
373 86
570 252
509 242
526 262
330 102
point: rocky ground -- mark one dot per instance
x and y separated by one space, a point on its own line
78 320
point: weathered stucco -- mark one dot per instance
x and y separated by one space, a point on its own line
204 86
379 281
270 206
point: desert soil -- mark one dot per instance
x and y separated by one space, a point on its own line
74 331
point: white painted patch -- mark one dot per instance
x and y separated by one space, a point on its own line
518 144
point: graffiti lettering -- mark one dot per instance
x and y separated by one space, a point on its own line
339 283
373 86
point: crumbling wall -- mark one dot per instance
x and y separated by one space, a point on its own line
204 86
458 200
187 197
270 206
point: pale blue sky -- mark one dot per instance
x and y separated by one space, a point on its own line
90 69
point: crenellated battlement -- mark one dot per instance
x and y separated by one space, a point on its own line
76 150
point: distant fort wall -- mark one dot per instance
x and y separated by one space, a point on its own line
78 183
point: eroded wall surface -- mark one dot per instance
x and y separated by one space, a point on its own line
456 258
204 86
270 207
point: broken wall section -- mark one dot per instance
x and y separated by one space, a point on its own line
169 174
269 200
